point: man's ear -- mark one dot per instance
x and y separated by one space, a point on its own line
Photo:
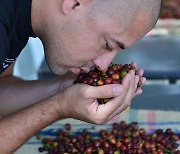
69 5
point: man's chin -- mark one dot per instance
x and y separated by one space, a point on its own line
59 72
75 70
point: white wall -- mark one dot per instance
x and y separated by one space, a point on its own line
30 59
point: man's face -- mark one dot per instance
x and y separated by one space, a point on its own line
81 43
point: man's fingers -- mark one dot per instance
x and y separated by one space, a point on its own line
131 89
134 64
138 92
126 83
140 72
129 95
143 79
126 79
118 104
136 78
112 105
106 91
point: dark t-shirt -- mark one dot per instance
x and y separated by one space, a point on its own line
15 29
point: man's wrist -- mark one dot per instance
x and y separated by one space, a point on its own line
60 108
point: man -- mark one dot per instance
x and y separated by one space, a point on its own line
76 35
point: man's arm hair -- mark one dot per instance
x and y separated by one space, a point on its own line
23 122
17 128
16 94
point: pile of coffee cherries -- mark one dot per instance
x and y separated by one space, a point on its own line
113 75
170 9
121 138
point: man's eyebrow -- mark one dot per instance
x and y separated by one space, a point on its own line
120 45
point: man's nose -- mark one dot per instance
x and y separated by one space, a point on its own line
104 60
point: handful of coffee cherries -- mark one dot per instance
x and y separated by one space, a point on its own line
113 75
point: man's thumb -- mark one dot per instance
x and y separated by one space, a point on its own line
106 91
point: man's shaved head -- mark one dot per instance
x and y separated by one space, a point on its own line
125 10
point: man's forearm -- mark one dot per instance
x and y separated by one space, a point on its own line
17 128
16 94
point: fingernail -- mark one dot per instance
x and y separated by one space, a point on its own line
116 90
140 92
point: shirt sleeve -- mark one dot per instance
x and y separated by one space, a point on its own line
4 48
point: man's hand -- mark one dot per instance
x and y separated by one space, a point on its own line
16 94
139 72
67 80
80 100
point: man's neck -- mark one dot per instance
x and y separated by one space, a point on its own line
36 16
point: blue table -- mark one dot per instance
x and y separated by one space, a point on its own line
158 97
159 56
